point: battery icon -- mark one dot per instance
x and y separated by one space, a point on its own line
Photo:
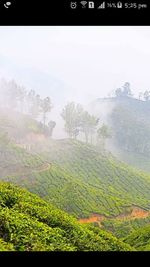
119 5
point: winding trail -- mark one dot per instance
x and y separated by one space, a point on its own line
28 171
45 167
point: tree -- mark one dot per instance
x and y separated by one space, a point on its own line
46 107
71 114
3 93
88 125
30 99
103 133
36 106
22 97
77 120
118 92
140 95
146 95
127 90
51 126
13 94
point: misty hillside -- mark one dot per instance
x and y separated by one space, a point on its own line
66 170
28 223
129 121
78 174
74 139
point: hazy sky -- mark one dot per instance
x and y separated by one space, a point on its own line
92 61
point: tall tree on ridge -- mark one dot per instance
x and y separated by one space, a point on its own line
46 107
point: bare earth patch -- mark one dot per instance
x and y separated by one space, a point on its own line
136 213
94 218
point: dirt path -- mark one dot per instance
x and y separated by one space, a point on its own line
44 167
27 170
136 213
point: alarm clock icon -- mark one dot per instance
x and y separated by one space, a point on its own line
7 4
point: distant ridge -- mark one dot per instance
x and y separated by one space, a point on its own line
129 120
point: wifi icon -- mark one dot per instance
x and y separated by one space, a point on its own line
83 3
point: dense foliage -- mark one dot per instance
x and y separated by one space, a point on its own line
78 120
28 223
140 239
122 228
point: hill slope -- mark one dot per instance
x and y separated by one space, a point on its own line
112 185
28 223
77 178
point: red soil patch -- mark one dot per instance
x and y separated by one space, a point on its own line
136 213
94 218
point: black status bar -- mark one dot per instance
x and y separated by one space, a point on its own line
48 12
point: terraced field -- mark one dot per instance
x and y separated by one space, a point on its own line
17 160
77 178
113 186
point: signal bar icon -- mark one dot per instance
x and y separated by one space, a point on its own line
102 5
